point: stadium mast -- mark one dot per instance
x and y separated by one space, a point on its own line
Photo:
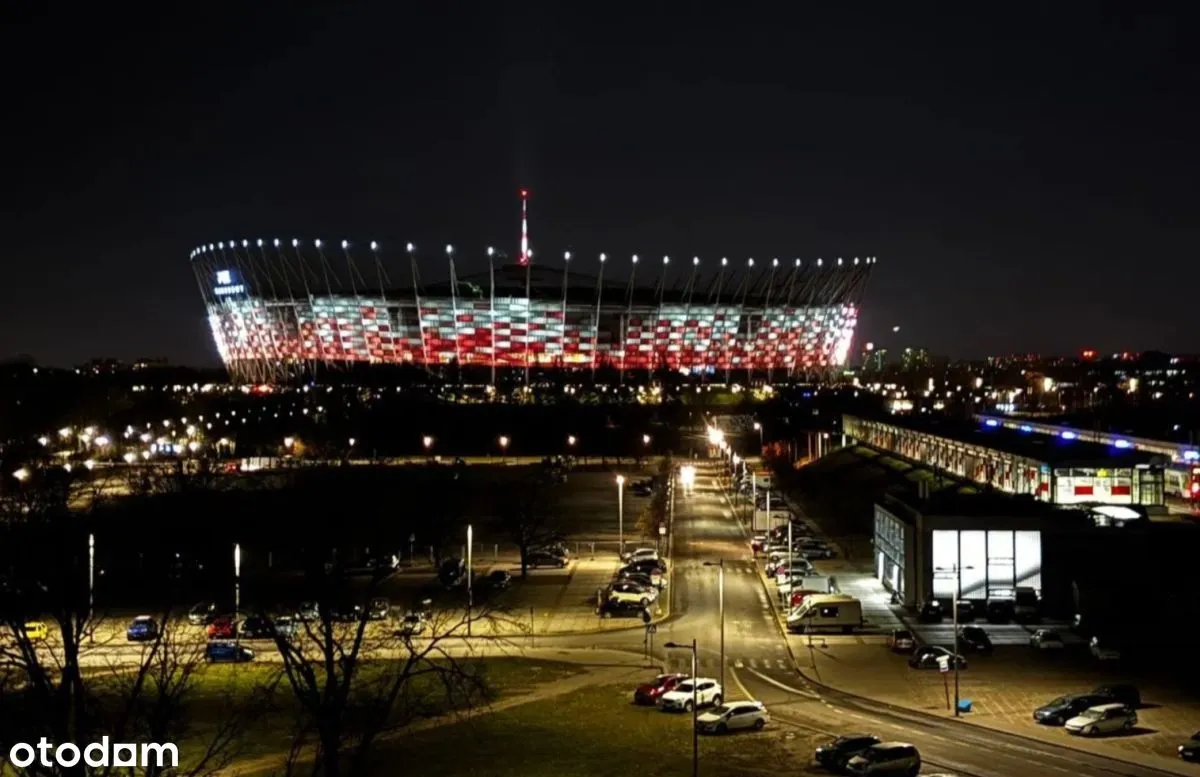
526 256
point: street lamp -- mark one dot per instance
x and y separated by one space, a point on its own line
955 570
503 445
621 513
427 441
695 729
758 428
470 575
91 586
237 580
645 439
570 440
721 598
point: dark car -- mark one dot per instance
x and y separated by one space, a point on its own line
346 613
641 578
1126 694
227 653
647 565
143 629
499 579
926 657
1001 610
651 692
834 754
541 558
202 613
1062 709
613 608
452 572
975 639
931 611
257 627
1190 749
379 609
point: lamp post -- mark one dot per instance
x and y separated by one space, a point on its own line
503 445
427 441
91 586
720 565
956 571
237 586
695 730
470 577
621 513
759 428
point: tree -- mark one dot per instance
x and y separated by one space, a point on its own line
357 680
526 514
129 693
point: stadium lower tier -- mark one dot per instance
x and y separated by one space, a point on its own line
515 332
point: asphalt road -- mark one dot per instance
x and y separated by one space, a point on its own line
757 662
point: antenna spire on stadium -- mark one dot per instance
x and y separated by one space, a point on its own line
525 227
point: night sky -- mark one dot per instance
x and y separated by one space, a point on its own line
1028 180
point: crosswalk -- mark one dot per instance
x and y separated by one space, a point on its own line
761 663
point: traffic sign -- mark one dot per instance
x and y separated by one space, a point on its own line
652 628
943 663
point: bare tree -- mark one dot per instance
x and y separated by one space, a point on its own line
527 515
357 680
65 674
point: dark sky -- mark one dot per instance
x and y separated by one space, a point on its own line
1027 179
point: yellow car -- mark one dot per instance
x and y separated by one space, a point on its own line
36 631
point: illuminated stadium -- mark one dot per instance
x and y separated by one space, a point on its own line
277 308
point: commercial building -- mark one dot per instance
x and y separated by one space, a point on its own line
985 547
1057 470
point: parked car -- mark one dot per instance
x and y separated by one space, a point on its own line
413 624
1060 710
201 613
1102 719
639 554
222 627
541 558
931 611
679 699
926 657
143 629
1046 639
308 611
285 626
836 753
379 609
616 608
901 641
975 639
886 758
227 652
498 579
257 627
759 541
734 716
651 692
627 591
1124 693
452 572
1189 750
641 578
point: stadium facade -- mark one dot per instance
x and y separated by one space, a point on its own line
277 308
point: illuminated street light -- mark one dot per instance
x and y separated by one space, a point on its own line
645 439
90 464
64 432
715 436
352 441
621 514
129 457
288 442
43 441
102 440
427 441
570 439
687 476
193 446
21 474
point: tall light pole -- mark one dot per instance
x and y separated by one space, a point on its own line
91 586
695 706
758 428
721 598
621 513
470 577
427 441
955 570
237 582
503 446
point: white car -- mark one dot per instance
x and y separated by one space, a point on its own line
639 554
733 716
707 691
1103 651
797 571
1046 639
1103 719
628 591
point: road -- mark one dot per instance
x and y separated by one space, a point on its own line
759 666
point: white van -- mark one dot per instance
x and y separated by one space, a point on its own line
827 611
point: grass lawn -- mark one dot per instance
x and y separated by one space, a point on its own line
594 731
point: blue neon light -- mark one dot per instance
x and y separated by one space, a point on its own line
1191 455
1069 435
1026 428
1123 444
992 422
